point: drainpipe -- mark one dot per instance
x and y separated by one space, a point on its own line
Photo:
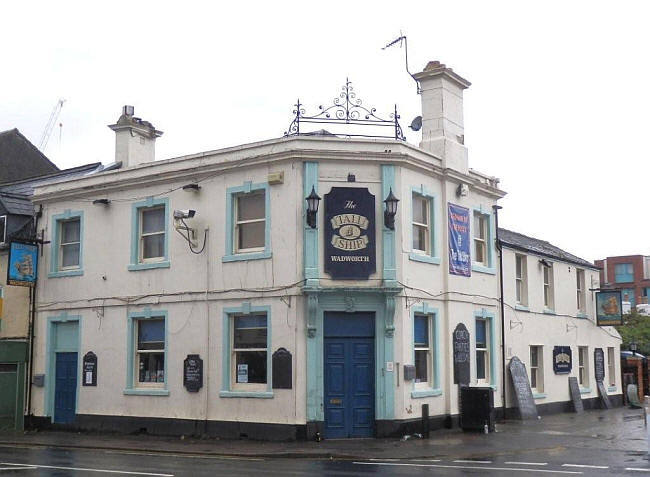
32 317
496 208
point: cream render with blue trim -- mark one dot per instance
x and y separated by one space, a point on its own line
57 268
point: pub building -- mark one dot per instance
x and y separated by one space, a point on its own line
324 284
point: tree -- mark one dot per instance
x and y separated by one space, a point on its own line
636 327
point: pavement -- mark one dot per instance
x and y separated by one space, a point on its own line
616 431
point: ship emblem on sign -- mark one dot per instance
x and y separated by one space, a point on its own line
349 232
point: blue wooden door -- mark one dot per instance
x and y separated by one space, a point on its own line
349 360
65 389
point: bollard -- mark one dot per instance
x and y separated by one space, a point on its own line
425 421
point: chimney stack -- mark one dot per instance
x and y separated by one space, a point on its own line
135 139
443 132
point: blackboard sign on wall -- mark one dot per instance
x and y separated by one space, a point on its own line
523 393
282 374
349 233
599 364
460 341
574 390
193 373
604 398
90 369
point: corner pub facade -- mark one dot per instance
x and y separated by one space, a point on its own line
255 317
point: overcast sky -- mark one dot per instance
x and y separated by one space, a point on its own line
559 105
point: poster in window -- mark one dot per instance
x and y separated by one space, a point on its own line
23 261
242 373
459 241
609 309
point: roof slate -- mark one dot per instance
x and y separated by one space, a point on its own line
20 159
26 186
541 247
16 204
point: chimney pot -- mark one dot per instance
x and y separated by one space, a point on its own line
135 139
128 110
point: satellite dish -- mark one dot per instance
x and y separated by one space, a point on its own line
416 124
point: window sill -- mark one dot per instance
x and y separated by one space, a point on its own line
549 312
585 390
539 395
483 269
246 256
521 308
148 266
582 316
247 394
66 273
419 257
428 392
611 389
145 392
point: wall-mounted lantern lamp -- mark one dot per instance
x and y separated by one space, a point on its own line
312 207
191 187
101 202
391 209
633 347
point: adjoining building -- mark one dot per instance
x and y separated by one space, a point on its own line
628 273
210 294
550 317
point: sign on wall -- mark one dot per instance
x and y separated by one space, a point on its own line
599 364
23 259
562 359
460 340
609 309
90 369
193 373
460 261
349 233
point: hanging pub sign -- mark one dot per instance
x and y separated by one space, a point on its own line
23 258
460 262
609 309
90 369
193 373
349 233
562 359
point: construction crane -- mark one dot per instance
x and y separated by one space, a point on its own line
45 137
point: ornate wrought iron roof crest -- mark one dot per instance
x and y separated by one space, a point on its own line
346 109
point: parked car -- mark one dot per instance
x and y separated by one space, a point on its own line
643 309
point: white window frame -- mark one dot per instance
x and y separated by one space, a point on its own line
547 279
521 279
485 351
138 352
583 366
249 387
237 222
142 235
3 238
611 366
429 352
537 370
482 241
417 198
580 291
61 244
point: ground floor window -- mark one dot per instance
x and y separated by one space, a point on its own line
150 351
482 357
536 369
422 349
249 352
611 369
583 366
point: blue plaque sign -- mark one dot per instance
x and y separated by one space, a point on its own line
349 233
562 359
23 259
460 262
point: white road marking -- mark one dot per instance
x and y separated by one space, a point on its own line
422 460
184 456
469 461
586 466
83 469
636 469
484 468
31 467
526 463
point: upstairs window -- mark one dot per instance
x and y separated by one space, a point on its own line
521 279
580 291
548 286
250 222
623 272
421 225
480 239
69 243
152 233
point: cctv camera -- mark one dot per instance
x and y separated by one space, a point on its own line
184 214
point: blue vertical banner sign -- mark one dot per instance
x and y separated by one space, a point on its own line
460 262
23 258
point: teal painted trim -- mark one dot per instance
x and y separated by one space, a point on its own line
489 243
135 236
377 300
310 236
582 316
231 192
148 266
418 257
145 392
51 349
611 389
389 272
423 393
489 317
246 256
242 394
549 312
434 335
522 308
432 256
131 387
226 385
585 390
539 395
56 242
